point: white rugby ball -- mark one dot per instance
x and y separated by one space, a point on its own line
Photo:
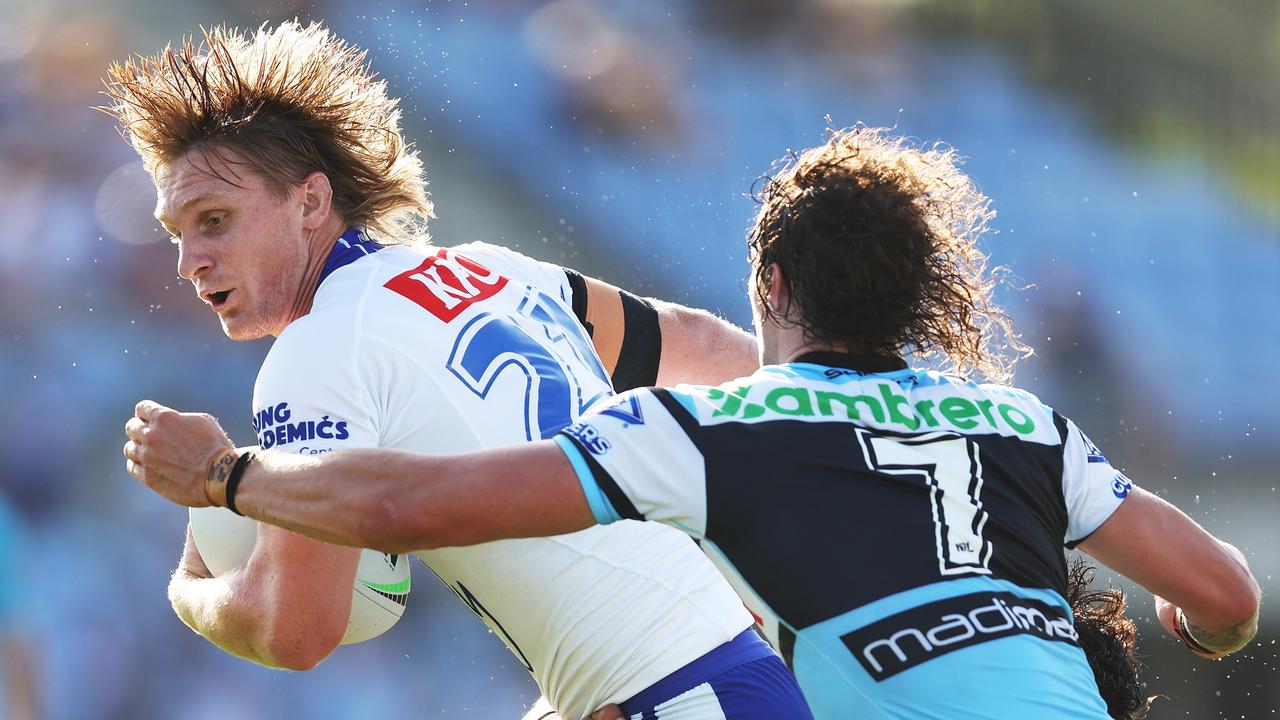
381 592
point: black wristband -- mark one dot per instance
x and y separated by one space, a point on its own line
233 480
1180 623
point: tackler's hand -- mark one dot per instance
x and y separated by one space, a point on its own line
177 454
1174 622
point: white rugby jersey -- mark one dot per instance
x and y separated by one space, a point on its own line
897 532
447 351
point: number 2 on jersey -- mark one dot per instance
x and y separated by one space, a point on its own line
950 465
548 346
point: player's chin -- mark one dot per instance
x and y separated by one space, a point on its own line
237 326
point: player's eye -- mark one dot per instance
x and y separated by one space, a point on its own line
215 222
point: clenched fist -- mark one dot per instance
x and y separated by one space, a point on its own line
184 457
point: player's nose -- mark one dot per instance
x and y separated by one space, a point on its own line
193 261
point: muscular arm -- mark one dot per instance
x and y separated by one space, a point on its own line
702 349
287 607
650 342
405 501
1159 547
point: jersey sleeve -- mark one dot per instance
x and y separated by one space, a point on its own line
311 397
636 462
1091 488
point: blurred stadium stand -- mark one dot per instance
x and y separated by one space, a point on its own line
1132 151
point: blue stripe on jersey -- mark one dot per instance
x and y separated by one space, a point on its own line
748 679
350 247
762 689
601 508
1054 680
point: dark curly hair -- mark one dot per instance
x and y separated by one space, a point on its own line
877 240
1108 638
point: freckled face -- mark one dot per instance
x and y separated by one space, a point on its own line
241 246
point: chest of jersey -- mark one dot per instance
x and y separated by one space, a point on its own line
462 349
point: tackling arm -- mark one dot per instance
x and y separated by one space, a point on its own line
1156 545
405 501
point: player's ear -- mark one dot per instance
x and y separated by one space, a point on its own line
779 295
317 200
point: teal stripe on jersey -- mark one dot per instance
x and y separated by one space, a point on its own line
925 594
601 508
839 376
915 377
685 401
1053 679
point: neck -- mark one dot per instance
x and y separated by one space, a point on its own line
319 244
790 343
815 347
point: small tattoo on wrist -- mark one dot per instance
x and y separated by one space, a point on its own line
221 469
215 486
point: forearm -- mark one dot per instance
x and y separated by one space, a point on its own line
1223 640
350 498
700 348
207 606
396 502
1231 634
261 611
1213 586
1156 545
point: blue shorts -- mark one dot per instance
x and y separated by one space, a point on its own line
743 679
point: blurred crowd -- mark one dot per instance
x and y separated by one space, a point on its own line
620 138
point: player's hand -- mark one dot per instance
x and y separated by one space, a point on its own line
172 452
608 712
1167 613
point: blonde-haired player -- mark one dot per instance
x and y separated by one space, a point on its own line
293 199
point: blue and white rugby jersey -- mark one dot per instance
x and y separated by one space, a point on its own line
449 351
898 533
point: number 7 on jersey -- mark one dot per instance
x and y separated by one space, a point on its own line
950 465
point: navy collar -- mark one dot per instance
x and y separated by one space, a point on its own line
350 247
861 363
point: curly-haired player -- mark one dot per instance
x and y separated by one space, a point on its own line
898 530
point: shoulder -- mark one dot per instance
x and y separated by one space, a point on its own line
734 400
1023 412
515 265
312 360
327 341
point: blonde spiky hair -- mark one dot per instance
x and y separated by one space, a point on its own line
290 101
